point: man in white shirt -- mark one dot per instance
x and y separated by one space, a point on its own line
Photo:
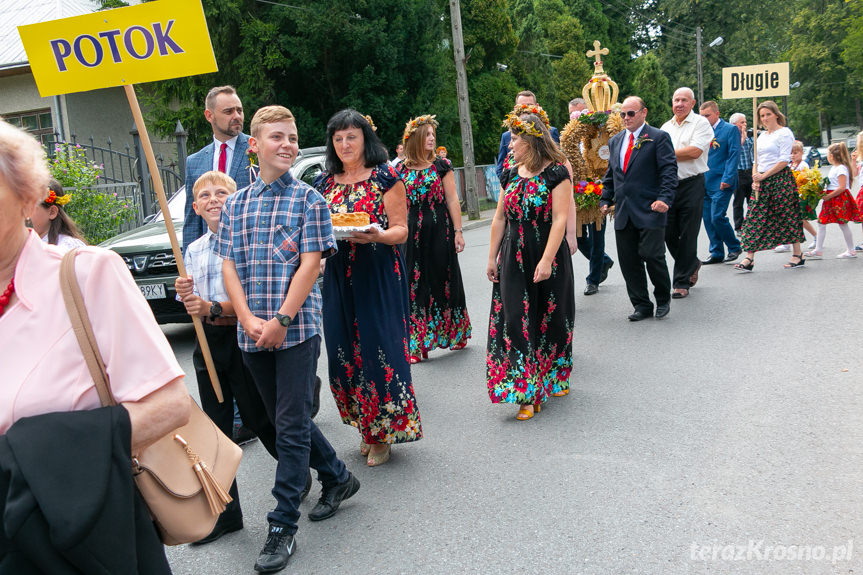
400 155
226 153
691 135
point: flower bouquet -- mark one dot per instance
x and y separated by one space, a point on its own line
810 186
587 195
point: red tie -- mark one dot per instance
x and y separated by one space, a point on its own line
223 157
628 151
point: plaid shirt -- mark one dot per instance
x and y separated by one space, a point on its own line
205 267
263 230
746 157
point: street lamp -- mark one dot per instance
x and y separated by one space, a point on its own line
716 42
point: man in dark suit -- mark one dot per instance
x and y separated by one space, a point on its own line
720 181
524 98
640 183
226 153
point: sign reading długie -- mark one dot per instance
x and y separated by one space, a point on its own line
144 43
761 81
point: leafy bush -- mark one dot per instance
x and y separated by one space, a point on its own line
99 215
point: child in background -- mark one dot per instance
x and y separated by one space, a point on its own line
838 206
857 157
51 221
203 294
798 164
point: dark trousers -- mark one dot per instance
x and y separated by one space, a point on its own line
592 246
286 380
743 192
237 384
638 249
682 227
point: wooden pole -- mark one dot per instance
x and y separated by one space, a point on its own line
169 225
755 141
470 193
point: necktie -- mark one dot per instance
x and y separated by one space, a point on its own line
628 151
223 158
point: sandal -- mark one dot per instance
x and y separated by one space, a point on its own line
745 267
561 393
792 264
813 255
524 413
364 447
379 458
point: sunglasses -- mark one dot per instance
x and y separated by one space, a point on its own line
628 114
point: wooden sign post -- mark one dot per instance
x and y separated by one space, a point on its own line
121 47
760 81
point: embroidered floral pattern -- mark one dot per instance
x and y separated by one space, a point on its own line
438 313
529 354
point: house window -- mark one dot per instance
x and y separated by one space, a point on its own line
37 122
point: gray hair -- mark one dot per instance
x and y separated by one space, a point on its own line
736 117
577 102
687 89
22 165
210 100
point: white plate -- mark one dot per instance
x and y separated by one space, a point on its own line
343 232
153 291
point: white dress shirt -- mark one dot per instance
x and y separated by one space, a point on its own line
626 142
695 131
229 151
774 148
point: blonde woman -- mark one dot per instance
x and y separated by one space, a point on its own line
438 313
529 356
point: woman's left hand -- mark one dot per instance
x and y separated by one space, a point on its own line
542 272
757 177
459 242
369 237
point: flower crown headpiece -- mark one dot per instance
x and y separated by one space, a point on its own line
372 124
414 124
53 198
519 126
535 109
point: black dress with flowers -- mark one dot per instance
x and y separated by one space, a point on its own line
438 313
365 312
530 329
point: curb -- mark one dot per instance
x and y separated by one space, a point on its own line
483 221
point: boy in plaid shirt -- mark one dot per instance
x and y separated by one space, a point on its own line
203 294
272 236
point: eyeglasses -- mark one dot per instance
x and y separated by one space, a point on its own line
629 114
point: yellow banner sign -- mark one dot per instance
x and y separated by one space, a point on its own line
144 43
761 81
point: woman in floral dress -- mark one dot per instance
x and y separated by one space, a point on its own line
529 354
365 309
438 314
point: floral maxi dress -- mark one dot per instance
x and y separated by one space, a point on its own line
365 312
529 353
438 314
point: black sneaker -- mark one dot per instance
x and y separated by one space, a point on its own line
243 435
277 550
331 498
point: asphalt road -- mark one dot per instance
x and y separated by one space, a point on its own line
724 439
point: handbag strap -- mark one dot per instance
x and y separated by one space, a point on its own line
83 329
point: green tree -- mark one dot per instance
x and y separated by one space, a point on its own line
652 86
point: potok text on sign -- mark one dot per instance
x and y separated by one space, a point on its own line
90 50
144 43
761 81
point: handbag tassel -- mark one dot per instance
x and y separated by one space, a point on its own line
216 495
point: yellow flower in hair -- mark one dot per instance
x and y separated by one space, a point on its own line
535 109
519 126
415 123
372 124
63 200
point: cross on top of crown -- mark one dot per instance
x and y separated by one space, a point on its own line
596 53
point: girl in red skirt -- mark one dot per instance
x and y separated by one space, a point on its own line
838 206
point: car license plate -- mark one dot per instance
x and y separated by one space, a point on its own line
153 291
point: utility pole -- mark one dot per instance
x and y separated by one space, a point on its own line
470 194
698 59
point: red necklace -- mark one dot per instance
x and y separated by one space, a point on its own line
7 295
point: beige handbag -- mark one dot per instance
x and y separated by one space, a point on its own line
184 477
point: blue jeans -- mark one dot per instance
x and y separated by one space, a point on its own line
286 381
716 224
592 246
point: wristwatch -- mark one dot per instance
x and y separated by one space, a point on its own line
215 310
283 319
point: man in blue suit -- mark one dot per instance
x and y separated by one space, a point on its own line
720 181
226 153
524 98
641 182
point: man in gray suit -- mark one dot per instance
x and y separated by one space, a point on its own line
226 153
